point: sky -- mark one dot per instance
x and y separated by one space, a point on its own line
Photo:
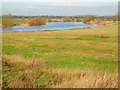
60 0
60 7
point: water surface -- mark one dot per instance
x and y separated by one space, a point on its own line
49 26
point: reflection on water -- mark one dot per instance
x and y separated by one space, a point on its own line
49 26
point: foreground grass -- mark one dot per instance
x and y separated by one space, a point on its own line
35 73
79 50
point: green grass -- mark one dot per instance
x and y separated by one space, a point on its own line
76 49
20 21
41 79
68 48
87 38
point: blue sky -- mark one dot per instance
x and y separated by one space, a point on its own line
60 7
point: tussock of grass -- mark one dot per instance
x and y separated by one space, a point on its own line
28 62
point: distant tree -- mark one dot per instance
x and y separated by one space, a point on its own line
78 20
49 20
67 19
88 18
109 19
115 18
23 18
72 19
36 21
103 18
99 19
30 17
7 21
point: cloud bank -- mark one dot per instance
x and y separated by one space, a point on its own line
67 8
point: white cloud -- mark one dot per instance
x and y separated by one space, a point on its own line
61 8
82 4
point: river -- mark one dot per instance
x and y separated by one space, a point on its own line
49 26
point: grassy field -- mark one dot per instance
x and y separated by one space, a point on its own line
83 58
20 21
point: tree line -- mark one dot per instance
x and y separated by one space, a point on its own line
8 20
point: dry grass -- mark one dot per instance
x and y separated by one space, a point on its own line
64 78
20 72
27 62
87 79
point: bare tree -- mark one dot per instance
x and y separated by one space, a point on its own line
7 21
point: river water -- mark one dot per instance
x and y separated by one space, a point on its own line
49 26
